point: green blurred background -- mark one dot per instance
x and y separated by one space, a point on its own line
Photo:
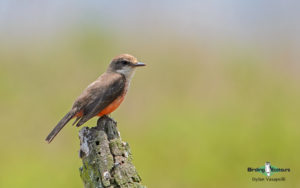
220 93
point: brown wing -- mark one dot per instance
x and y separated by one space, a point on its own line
99 95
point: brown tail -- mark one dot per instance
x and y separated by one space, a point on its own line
60 125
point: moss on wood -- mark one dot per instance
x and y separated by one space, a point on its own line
107 160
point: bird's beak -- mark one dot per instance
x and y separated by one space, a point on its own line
139 64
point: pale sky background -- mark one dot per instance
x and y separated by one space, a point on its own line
269 26
243 20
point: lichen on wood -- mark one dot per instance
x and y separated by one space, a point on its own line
107 160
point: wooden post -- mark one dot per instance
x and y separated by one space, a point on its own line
107 160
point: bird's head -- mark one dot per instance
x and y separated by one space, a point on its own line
124 64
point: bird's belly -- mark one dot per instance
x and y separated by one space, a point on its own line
112 106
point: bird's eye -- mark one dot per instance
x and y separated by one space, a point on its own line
124 62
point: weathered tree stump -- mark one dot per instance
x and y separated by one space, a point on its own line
106 158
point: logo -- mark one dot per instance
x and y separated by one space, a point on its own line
268 170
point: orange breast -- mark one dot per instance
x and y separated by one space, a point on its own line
114 105
110 108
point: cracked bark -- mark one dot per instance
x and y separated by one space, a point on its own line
107 160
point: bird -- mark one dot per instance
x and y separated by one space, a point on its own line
104 95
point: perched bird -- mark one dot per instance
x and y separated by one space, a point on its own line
103 96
